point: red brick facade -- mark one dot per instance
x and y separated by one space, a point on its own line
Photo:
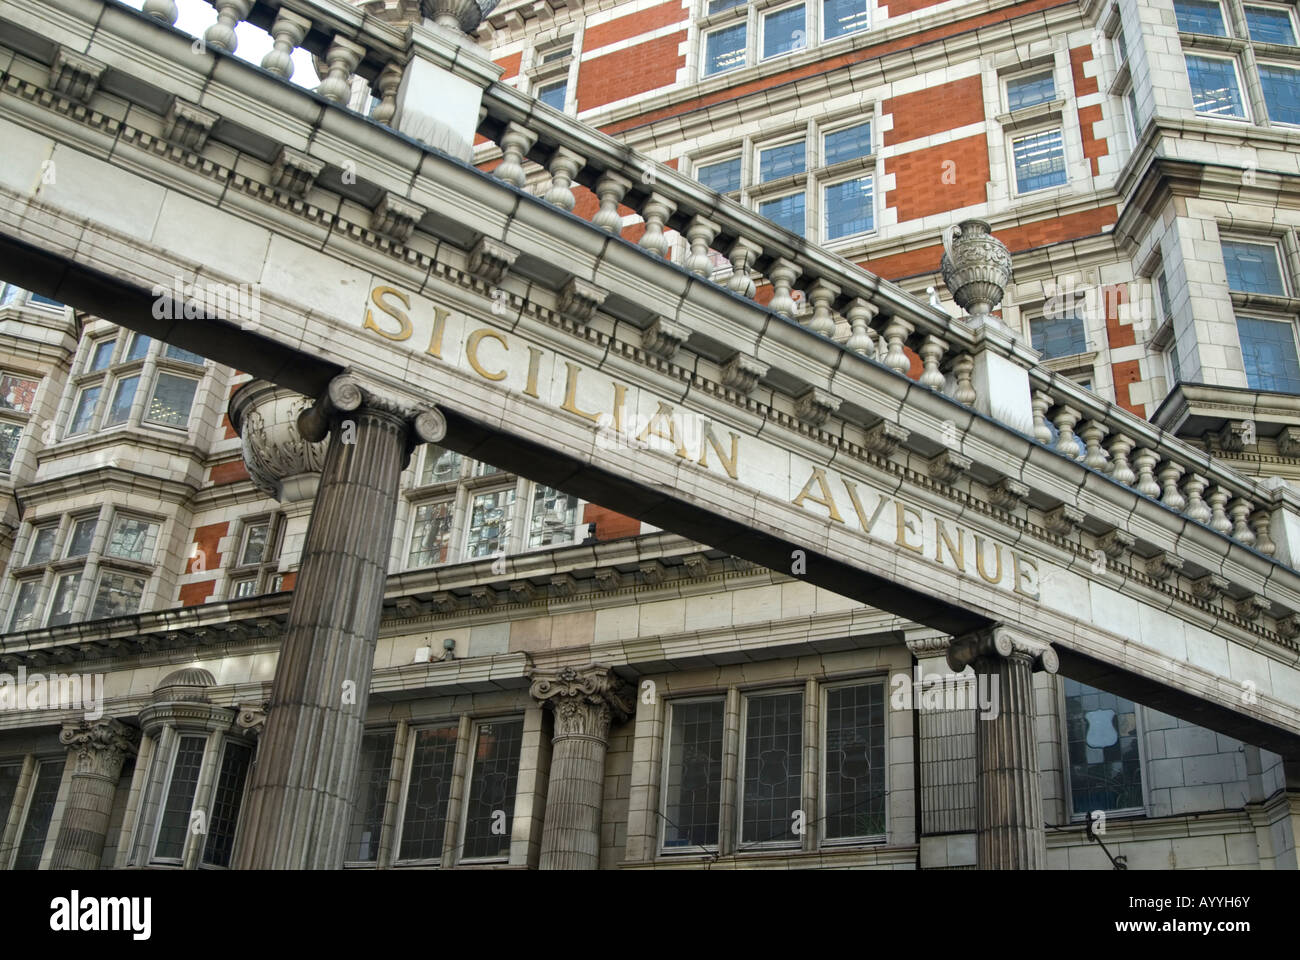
644 21
939 178
625 73
934 110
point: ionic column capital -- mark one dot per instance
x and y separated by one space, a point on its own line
585 700
1000 643
99 747
346 394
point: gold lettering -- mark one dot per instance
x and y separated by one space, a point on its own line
664 412
943 540
471 352
905 527
1021 566
826 500
709 440
376 297
620 401
571 395
979 560
857 506
435 335
534 361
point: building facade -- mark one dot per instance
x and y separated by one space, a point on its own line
556 684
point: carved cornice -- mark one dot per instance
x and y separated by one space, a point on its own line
815 406
585 700
99 747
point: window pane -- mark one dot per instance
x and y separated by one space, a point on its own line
489 523
786 212
1040 161
1105 773
772 777
850 208
555 514
724 49
24 615
783 161
783 32
1268 350
255 542
1058 336
440 466
175 822
18 393
225 805
431 536
847 144
717 6
495 774
244 588
723 177
174 352
119 411
372 793
840 17
1162 290
83 534
43 543
172 398
1214 87
119 596
1253 267
9 775
39 811
10 434
482 469
85 412
855 761
553 96
47 301
101 354
65 595
1027 91
424 823
558 53
132 539
138 348
1281 92
1135 121
693 793
1270 26
1200 16
1175 365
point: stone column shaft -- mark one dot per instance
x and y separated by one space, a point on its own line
96 751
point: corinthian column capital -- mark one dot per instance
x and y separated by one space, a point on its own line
98 747
1000 643
585 700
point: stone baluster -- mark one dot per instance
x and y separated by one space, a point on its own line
288 30
742 256
1039 403
932 350
963 373
1260 523
96 752
564 168
303 787
341 60
783 274
1120 448
656 212
1093 432
700 234
1145 461
1065 419
230 13
1218 498
1240 510
1170 474
516 141
585 701
164 10
1197 508
1009 802
895 335
389 82
822 294
860 314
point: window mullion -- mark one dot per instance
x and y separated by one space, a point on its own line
811 767
729 821
204 791
399 777
18 811
456 799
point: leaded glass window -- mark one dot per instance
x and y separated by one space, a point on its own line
40 810
372 793
493 779
175 822
226 802
855 761
772 776
693 780
1102 741
424 821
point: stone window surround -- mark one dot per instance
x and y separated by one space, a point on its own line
91 565
1282 309
545 74
16 820
735 698
19 418
265 572
812 182
1075 366
1067 795
751 13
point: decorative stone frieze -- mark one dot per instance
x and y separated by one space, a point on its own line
490 260
663 337
814 406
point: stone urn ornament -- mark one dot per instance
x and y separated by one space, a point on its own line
976 267
462 15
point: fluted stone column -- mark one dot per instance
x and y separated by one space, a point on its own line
96 751
1009 814
304 782
585 701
